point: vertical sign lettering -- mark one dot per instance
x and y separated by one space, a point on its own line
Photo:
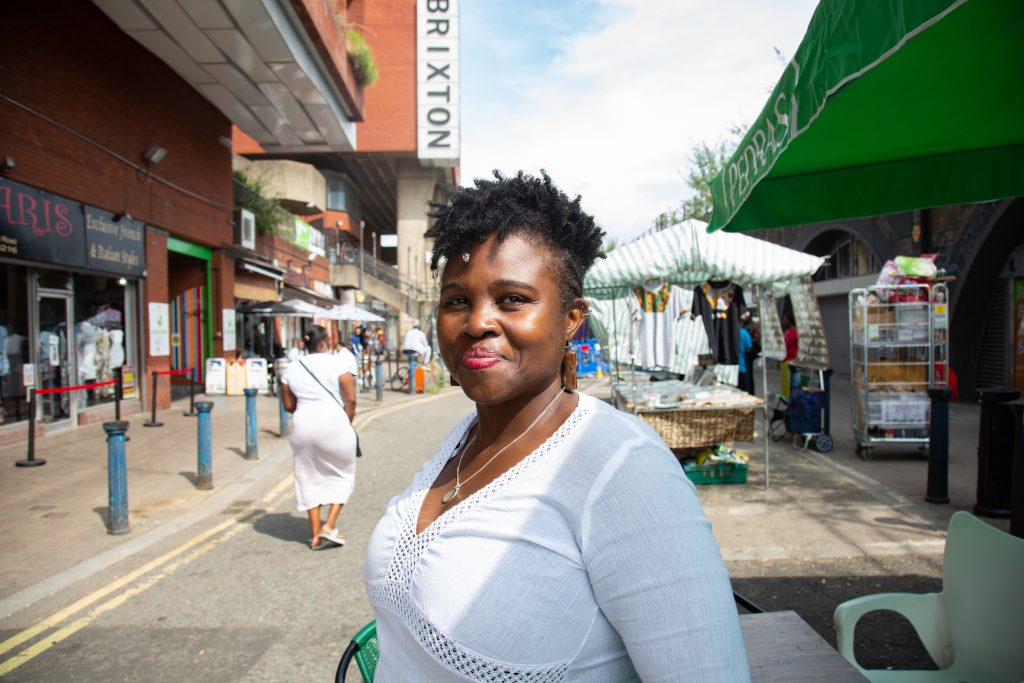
437 81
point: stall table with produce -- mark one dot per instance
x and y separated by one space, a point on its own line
703 413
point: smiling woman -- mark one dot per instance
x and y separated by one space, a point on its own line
551 538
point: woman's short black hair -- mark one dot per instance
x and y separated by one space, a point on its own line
313 337
525 205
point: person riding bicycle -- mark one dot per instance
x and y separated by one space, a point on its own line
415 343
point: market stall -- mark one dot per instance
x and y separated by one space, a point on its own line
675 296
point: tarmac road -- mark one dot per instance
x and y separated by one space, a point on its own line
245 599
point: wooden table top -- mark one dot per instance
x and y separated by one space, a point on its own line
783 647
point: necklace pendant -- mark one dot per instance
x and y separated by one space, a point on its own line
451 493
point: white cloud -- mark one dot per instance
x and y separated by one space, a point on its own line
618 110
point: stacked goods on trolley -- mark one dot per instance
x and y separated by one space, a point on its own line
899 347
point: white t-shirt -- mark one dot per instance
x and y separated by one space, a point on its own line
327 368
416 340
589 560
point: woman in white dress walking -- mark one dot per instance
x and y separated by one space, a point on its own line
320 390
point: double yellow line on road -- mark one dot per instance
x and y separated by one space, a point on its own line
198 546
167 563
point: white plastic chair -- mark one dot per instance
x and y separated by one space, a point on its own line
974 628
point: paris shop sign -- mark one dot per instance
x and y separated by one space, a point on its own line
44 227
437 82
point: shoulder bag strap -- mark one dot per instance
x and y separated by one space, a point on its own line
329 392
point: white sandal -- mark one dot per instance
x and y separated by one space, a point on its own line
333 536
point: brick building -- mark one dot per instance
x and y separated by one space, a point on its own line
118 237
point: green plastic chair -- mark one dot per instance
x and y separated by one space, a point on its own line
365 650
974 628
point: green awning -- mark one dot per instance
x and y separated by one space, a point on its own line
888 106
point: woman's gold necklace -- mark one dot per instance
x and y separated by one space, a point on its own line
454 491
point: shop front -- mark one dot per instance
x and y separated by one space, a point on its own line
69 308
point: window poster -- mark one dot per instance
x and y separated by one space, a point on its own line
229 329
159 329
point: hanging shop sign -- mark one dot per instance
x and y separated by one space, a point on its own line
115 243
47 228
437 82
40 226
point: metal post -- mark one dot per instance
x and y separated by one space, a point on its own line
379 367
362 252
191 393
151 422
764 388
250 425
1017 491
412 374
204 440
117 478
282 416
31 460
938 446
118 394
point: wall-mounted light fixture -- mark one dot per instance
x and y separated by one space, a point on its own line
8 163
154 155
117 217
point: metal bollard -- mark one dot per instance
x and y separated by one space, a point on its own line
117 478
151 422
251 452
938 447
1017 488
379 367
31 460
204 441
412 374
191 394
995 456
282 416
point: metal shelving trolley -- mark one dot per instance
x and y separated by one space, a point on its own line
899 347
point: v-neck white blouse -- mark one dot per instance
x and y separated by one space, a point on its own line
589 560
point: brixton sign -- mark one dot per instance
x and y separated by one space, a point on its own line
47 228
437 82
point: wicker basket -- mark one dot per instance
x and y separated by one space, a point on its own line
701 426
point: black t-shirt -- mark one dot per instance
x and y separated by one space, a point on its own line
722 307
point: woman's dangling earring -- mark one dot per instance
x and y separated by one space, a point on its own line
569 368
451 379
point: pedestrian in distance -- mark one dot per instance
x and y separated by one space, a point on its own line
319 389
551 537
415 344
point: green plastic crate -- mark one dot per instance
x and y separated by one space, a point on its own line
716 473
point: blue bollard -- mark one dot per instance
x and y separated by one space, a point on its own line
379 376
282 430
250 425
117 478
412 374
204 462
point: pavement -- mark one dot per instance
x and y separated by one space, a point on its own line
218 585
53 517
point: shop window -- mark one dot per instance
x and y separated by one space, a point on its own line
101 340
14 347
848 256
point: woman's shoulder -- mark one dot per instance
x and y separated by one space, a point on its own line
607 434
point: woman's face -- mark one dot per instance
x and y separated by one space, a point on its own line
501 327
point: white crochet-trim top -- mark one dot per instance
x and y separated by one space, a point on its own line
589 560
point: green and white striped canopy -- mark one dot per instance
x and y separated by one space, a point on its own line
687 255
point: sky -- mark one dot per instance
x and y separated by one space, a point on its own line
610 96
